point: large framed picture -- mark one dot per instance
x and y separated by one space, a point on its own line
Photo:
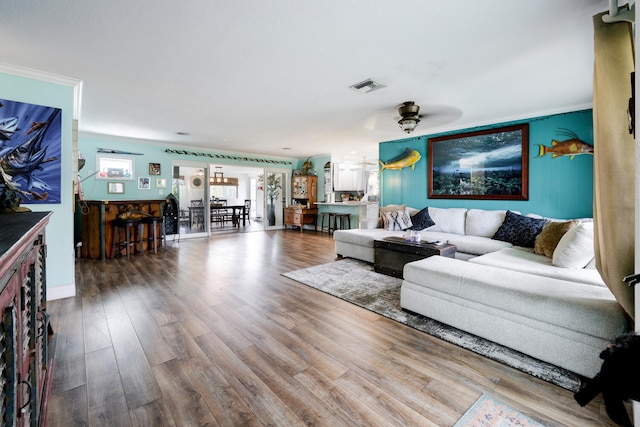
489 164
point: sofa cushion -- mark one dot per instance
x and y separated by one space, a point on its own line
363 237
550 235
421 220
389 208
480 222
525 261
450 220
591 310
575 248
397 220
519 230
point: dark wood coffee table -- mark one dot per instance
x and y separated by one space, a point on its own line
392 253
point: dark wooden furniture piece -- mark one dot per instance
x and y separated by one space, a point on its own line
97 227
392 253
26 367
297 216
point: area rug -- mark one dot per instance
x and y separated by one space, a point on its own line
356 282
488 411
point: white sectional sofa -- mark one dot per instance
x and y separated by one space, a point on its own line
554 308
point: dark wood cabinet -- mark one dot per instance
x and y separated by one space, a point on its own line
26 366
97 225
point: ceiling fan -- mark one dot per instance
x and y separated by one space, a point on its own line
409 116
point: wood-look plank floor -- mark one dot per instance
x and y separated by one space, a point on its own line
208 332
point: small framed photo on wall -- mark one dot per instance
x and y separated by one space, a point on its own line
161 182
154 169
144 183
115 187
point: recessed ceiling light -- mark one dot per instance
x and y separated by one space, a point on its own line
367 86
286 148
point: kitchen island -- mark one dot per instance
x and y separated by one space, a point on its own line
363 214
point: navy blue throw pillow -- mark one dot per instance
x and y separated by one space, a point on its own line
519 230
421 220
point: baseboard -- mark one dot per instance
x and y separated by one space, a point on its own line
59 292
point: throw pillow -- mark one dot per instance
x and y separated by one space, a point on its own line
575 248
519 230
421 220
397 220
550 235
389 208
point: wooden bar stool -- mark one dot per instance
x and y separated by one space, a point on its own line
152 222
330 216
342 217
130 239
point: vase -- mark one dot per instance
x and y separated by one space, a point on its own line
271 214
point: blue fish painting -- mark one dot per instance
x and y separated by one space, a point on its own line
30 151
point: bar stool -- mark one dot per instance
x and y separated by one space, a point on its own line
330 216
152 222
342 217
126 225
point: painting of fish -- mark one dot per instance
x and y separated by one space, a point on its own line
408 158
570 147
30 151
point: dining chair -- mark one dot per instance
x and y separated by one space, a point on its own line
247 210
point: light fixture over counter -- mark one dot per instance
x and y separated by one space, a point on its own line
218 178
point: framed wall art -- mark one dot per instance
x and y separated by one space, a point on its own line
31 141
490 164
115 187
144 183
154 169
161 182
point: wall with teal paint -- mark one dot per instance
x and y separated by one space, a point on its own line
155 152
60 253
558 187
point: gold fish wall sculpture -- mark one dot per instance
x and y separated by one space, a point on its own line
570 147
408 158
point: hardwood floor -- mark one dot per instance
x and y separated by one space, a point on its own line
207 332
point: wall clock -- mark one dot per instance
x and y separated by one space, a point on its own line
197 181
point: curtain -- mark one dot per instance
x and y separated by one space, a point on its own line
614 158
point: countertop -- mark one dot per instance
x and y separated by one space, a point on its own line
349 203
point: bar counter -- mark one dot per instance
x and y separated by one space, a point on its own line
97 217
363 214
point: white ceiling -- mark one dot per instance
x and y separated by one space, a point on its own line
260 75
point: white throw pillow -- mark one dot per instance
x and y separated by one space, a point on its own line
397 220
389 208
448 220
575 248
483 223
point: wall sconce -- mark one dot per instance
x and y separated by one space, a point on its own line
409 116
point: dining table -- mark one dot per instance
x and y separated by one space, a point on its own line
238 212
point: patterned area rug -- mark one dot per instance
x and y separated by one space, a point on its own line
356 282
490 412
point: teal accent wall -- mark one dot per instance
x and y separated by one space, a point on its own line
558 187
60 252
154 152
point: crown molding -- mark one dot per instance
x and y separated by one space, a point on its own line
17 70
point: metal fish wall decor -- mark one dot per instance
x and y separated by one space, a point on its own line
408 158
570 147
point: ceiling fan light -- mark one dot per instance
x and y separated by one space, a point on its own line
408 124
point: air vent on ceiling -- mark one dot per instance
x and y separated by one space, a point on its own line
367 86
